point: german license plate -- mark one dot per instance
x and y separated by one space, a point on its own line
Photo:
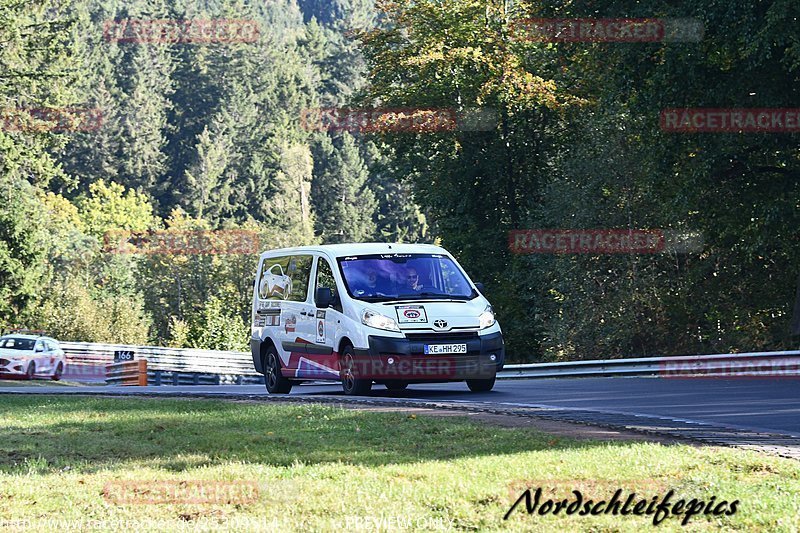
436 349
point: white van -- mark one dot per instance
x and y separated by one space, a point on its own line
392 314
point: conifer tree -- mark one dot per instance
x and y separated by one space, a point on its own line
344 205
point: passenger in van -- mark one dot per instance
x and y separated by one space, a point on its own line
372 283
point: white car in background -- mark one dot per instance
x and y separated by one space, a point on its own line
31 356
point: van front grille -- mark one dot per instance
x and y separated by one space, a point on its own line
451 336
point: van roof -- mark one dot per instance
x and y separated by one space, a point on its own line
364 248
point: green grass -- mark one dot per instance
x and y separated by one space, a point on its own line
325 468
38 382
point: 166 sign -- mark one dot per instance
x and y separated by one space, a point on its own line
123 355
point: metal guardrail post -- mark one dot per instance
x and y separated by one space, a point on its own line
142 378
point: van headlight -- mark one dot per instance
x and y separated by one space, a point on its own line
379 321
487 318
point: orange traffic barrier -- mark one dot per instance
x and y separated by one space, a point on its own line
127 373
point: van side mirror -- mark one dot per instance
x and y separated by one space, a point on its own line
324 297
480 287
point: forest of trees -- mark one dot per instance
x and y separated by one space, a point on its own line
206 136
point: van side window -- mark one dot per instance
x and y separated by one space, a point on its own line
299 269
452 282
325 276
285 278
275 284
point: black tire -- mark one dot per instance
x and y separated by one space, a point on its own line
396 386
351 383
274 380
59 371
30 372
481 385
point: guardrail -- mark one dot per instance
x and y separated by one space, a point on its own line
168 359
127 373
765 364
182 366
164 377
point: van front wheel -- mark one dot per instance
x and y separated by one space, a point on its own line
352 384
481 385
276 383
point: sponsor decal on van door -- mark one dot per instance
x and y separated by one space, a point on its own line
320 326
291 324
268 314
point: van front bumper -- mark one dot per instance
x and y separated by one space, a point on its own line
404 359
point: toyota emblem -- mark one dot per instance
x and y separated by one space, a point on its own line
440 324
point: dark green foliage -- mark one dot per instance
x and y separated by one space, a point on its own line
210 136
344 204
602 162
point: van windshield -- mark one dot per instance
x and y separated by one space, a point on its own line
386 277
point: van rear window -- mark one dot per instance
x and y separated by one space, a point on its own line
285 278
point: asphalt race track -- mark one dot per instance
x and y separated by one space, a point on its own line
758 405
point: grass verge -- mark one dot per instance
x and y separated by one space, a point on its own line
325 468
38 382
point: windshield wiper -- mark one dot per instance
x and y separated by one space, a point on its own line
413 296
432 296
